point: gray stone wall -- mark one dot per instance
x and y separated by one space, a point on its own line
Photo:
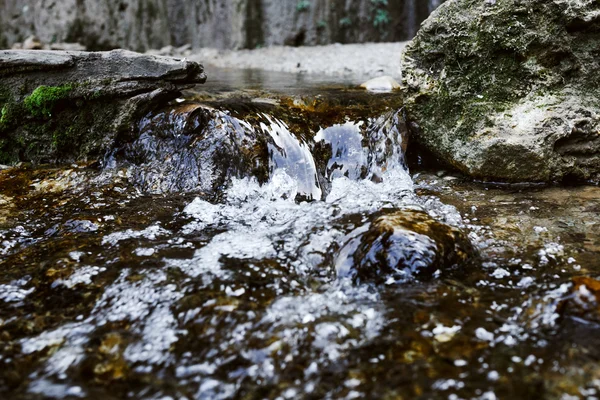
228 24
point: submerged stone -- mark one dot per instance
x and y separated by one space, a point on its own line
584 299
191 147
507 89
194 146
403 245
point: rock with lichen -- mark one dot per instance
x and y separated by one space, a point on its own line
506 89
65 106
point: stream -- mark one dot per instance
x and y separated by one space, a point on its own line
266 236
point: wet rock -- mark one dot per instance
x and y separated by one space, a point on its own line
403 245
506 90
584 301
108 362
191 147
381 84
59 106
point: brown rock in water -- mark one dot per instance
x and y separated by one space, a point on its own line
584 301
403 245
63 106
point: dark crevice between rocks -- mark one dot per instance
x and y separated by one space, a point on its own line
255 36
420 159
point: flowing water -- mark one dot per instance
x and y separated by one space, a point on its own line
271 242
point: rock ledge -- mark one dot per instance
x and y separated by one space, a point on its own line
63 106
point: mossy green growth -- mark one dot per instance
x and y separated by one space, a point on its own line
472 67
63 136
7 109
42 101
3 114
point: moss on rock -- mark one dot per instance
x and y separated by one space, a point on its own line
42 101
61 107
55 124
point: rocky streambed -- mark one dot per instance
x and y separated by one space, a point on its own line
275 242
278 236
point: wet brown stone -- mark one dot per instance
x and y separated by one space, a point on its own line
584 301
404 245
112 365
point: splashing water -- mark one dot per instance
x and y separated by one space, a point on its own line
268 291
216 256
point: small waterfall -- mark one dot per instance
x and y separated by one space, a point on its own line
264 261
293 157
190 147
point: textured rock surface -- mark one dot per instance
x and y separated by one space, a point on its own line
401 245
506 89
140 25
66 106
584 299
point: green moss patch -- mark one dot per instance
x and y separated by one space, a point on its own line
53 124
43 100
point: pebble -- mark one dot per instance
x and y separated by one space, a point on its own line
381 84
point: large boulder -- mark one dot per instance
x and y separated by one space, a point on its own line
507 89
58 106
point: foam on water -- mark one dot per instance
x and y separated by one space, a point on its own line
260 233
294 158
15 291
144 304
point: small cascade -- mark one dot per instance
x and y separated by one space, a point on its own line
289 155
191 147
274 264
244 247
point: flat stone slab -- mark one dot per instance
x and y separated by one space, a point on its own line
114 66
